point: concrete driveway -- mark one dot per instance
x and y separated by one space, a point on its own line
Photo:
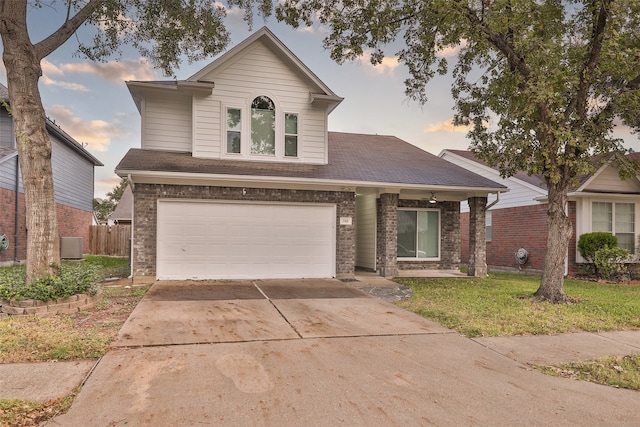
316 353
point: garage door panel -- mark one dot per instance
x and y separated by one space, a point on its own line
203 240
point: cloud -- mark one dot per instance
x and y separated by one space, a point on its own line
114 71
97 134
103 186
446 126
452 50
387 66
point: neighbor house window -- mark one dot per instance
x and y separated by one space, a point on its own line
488 218
418 233
234 127
263 126
291 135
617 219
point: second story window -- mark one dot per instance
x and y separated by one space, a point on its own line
234 127
263 126
291 135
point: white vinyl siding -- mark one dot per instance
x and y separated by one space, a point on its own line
608 179
166 122
366 231
520 194
226 240
260 72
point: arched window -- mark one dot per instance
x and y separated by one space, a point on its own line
263 126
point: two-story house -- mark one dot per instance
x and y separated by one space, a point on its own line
238 177
73 177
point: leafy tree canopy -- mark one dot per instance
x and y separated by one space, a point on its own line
541 83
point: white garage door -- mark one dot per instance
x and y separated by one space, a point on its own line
207 240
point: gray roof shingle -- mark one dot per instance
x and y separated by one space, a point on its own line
352 158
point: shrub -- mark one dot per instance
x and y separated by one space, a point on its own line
611 262
75 278
589 243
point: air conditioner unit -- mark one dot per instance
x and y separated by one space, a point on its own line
71 247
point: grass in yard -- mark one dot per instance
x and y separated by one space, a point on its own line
502 305
621 372
23 413
83 335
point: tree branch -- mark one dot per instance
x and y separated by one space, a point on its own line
579 102
62 34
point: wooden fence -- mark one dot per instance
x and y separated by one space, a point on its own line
110 240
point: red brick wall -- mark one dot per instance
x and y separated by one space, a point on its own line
514 228
71 223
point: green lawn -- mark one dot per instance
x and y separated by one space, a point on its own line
502 305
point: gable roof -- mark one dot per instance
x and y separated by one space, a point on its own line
124 208
321 92
536 179
56 130
354 159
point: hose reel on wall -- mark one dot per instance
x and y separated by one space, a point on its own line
4 242
522 256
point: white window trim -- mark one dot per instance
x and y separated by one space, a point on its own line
439 235
224 129
284 135
613 219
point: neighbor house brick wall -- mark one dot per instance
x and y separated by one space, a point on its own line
511 229
72 222
146 215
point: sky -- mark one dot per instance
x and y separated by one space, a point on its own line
91 102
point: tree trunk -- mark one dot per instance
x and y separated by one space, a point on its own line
34 146
558 237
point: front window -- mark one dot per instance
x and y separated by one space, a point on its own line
488 225
263 126
418 234
291 135
617 219
234 127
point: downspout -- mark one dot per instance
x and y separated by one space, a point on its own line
490 205
133 202
17 216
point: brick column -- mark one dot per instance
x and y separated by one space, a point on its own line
477 237
388 235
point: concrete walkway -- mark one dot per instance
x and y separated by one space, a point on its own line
320 353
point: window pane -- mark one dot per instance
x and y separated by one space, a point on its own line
233 119
488 219
291 124
601 216
233 142
263 131
625 213
428 234
406 234
291 146
626 241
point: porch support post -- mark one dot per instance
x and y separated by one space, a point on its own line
388 234
477 237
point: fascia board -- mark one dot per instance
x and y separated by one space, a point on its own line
149 176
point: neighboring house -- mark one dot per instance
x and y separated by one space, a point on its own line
600 202
123 213
73 175
238 177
